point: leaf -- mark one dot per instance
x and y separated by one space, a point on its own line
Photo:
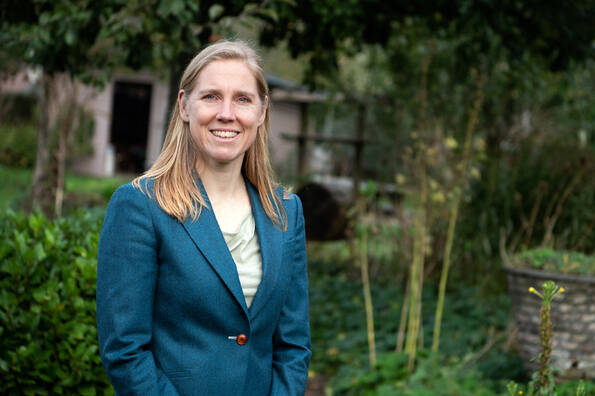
39 253
50 239
268 13
215 11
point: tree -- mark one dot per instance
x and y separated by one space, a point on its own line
60 38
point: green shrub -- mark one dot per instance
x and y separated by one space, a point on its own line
561 262
18 107
435 375
18 144
48 337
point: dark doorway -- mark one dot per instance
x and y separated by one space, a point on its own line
130 125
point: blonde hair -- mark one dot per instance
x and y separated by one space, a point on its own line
174 185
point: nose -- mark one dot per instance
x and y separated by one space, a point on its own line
226 112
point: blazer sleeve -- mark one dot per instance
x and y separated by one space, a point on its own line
126 279
291 341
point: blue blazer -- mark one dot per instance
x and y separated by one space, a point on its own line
171 315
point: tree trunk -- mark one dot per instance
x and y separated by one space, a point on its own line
67 126
42 195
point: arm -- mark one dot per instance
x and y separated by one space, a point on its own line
291 341
126 279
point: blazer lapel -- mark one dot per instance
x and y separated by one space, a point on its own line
207 236
270 238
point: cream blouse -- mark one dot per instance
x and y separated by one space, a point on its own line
245 251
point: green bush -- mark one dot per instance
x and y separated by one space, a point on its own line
48 337
17 108
435 375
18 129
18 144
561 262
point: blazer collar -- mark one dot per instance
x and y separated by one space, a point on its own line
270 238
206 235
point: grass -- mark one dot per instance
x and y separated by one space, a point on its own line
80 190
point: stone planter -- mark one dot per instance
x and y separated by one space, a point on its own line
573 317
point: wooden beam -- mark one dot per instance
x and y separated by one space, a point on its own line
327 139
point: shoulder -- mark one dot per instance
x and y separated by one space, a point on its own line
293 209
131 197
291 201
134 190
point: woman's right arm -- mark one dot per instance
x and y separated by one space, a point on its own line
126 279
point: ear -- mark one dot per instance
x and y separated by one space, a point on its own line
182 101
265 107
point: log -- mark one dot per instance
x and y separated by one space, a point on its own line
325 211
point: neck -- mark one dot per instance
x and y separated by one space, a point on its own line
222 183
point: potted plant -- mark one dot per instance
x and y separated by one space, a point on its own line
573 341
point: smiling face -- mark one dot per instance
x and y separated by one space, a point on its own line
224 111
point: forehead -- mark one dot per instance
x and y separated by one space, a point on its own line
227 74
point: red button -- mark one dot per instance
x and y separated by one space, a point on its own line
242 339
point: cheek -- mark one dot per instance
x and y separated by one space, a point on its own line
250 118
200 116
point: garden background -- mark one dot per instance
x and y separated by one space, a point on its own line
479 128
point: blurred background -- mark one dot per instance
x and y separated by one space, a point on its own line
443 152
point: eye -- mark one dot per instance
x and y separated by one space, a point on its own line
209 97
243 99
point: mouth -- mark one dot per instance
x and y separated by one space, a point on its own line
224 133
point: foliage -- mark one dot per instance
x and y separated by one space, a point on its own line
549 260
60 36
327 29
17 144
14 189
48 338
18 128
519 197
338 328
17 108
434 375
475 356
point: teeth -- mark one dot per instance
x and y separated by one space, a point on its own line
224 134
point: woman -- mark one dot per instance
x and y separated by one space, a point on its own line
201 282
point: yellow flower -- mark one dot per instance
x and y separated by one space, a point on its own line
438 197
532 290
520 392
474 173
562 290
450 142
332 352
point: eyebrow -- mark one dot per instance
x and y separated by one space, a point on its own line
217 91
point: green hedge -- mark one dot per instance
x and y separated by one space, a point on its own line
48 336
